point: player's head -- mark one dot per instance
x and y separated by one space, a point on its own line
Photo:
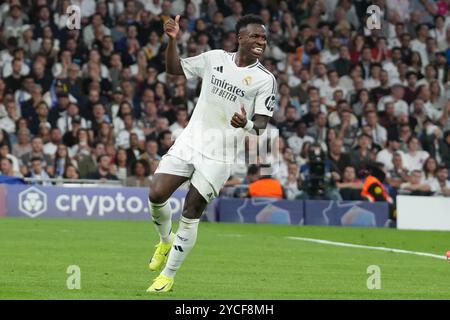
251 34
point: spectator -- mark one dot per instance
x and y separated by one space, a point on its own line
8 122
338 158
37 152
378 132
430 171
87 163
266 187
350 186
103 171
121 164
106 133
140 172
5 152
398 174
386 155
291 183
442 184
7 169
287 128
165 142
37 172
62 160
23 144
361 157
182 121
71 172
414 186
296 141
415 157
319 131
82 146
130 125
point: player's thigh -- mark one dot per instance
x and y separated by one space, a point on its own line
209 178
194 204
171 173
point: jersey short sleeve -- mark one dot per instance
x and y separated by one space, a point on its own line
194 66
266 97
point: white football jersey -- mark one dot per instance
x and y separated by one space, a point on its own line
225 86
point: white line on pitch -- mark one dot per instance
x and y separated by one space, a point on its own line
351 245
230 235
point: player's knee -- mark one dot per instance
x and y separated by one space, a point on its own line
192 214
157 195
194 209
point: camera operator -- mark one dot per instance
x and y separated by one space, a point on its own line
317 177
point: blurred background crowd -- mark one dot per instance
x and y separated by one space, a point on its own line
96 103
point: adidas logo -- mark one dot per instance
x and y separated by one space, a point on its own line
178 248
220 69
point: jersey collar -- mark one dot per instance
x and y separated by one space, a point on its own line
233 59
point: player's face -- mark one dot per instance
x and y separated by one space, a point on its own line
253 40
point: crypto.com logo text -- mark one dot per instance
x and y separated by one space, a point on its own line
73 13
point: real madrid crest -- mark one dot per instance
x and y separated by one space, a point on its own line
247 80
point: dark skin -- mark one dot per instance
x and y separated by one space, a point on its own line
250 37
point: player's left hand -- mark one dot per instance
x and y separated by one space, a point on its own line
239 120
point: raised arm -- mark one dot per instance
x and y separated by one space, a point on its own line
173 64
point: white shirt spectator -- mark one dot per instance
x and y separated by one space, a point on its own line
7 69
296 143
379 134
123 138
328 57
400 106
87 7
416 161
152 6
8 124
436 187
385 157
432 182
320 83
64 124
15 163
419 46
50 148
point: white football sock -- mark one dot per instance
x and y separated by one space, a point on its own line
184 242
162 218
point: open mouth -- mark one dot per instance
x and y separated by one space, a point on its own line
257 51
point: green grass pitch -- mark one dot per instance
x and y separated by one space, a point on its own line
230 261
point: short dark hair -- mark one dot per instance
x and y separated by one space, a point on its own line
252 169
33 159
248 19
163 133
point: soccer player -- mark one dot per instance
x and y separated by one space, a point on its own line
237 96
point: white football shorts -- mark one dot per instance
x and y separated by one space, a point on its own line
206 175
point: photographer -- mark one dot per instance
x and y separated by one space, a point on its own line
317 178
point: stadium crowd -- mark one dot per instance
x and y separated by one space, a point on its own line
96 103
